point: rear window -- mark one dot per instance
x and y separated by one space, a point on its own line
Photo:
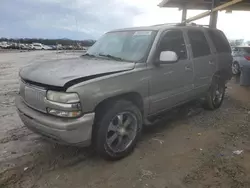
220 41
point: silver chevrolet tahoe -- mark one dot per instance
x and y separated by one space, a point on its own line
105 97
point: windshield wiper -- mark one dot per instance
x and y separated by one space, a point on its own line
111 57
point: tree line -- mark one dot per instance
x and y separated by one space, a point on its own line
50 41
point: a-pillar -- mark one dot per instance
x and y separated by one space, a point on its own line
214 15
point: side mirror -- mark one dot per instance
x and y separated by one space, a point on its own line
168 57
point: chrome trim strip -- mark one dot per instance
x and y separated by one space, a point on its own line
62 106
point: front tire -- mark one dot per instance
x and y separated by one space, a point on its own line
215 94
117 129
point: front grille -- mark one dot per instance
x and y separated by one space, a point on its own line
33 96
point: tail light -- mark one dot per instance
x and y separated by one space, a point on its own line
247 58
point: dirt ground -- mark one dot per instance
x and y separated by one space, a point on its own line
189 149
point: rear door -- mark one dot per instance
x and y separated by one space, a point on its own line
204 61
222 50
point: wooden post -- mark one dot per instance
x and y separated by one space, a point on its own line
214 15
184 14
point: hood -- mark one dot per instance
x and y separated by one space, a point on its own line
59 72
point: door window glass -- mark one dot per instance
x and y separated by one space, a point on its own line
199 44
174 41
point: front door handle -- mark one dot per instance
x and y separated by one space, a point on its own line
211 62
187 68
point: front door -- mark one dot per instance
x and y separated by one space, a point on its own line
171 83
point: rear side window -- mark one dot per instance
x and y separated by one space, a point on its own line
199 44
220 41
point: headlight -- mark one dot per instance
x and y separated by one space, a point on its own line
63 104
62 97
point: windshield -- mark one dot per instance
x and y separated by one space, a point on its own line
126 45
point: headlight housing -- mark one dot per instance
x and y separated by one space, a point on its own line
63 104
62 97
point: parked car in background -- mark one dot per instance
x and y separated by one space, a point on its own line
4 45
59 47
53 47
122 83
241 58
13 45
46 47
37 46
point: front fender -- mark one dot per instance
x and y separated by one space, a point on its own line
92 92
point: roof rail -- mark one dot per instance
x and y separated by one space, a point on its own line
192 24
166 24
181 24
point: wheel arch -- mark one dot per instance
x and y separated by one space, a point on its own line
222 74
133 97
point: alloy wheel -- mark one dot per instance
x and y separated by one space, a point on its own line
121 132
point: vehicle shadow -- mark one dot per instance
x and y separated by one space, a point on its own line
165 121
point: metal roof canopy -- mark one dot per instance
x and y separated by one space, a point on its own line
212 5
203 4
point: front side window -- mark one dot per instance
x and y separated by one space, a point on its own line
199 44
126 45
174 41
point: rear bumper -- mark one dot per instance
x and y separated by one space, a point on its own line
66 131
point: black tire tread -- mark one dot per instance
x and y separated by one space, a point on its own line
208 104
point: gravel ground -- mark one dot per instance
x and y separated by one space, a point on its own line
190 149
15 140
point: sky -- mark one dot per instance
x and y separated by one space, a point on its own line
89 19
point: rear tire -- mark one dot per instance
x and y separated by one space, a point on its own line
117 129
215 94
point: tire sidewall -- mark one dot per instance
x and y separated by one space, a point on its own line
103 124
238 68
221 84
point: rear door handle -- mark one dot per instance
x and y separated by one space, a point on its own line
168 73
187 68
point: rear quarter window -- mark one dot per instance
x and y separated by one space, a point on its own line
220 41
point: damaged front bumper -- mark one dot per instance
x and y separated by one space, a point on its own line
76 131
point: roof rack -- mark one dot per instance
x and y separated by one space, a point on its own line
192 24
181 24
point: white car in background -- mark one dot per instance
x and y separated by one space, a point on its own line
45 47
37 46
4 45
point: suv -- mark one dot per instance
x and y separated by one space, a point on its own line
106 96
